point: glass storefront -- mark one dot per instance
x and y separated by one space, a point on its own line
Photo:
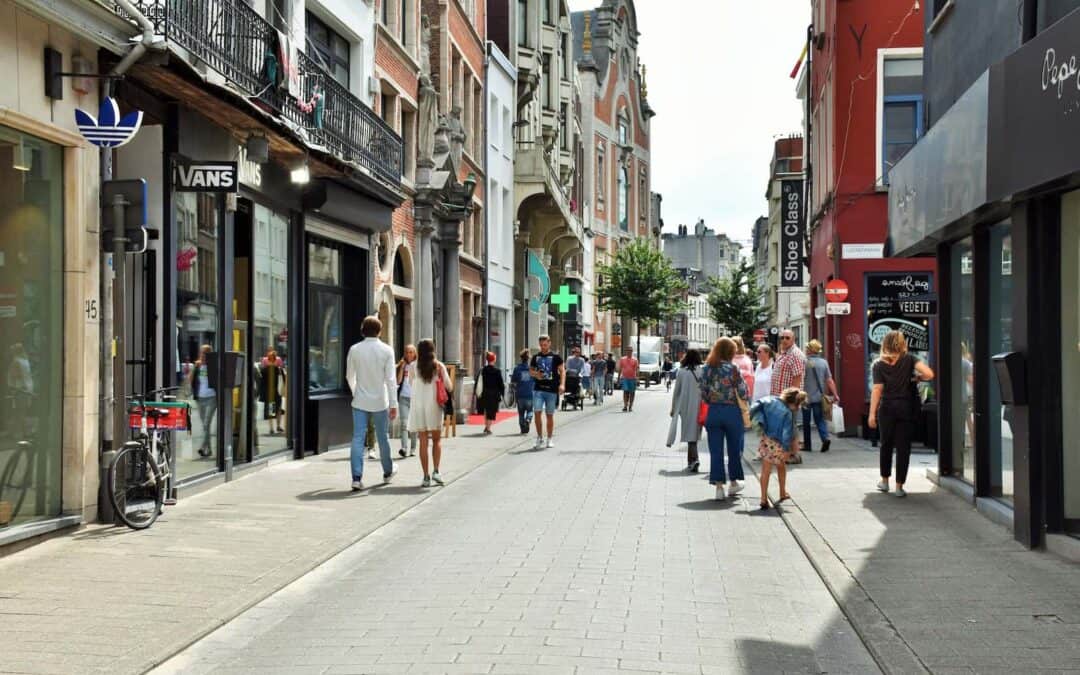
326 301
198 219
1070 355
497 338
1000 438
961 358
31 327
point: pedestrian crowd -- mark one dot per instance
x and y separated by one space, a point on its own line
723 393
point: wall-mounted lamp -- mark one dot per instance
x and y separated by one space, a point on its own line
470 186
301 174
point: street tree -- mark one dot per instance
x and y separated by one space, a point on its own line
738 302
640 284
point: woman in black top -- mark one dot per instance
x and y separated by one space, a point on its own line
895 398
492 389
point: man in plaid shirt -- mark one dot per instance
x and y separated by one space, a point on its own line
790 366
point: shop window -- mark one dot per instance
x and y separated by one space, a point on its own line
31 327
326 303
961 359
198 342
331 50
1000 340
901 102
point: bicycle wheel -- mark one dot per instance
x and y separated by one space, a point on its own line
136 487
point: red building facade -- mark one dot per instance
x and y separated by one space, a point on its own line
865 112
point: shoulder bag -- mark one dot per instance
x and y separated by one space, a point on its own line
826 402
441 395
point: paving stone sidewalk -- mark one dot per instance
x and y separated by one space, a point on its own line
107 599
930 584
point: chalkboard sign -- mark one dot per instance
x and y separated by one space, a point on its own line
886 294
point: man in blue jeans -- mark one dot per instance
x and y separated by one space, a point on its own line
550 382
371 374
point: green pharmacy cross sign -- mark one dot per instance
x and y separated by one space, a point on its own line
564 299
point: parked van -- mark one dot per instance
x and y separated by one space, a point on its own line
650 357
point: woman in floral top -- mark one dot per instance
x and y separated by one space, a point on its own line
721 387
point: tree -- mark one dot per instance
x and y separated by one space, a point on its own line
641 284
738 302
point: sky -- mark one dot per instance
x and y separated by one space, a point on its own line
718 79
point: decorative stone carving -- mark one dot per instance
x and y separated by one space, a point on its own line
456 133
429 112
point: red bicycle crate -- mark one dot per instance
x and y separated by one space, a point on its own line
171 416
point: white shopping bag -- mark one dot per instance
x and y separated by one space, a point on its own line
836 425
672 430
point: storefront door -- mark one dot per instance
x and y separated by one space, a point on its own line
959 357
1000 438
1070 356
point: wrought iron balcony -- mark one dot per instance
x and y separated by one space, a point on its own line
231 38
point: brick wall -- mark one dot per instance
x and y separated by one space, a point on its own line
396 68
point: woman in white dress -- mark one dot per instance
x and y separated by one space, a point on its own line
425 413
763 373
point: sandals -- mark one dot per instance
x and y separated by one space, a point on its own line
764 506
783 498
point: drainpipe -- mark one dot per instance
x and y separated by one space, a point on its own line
116 350
484 275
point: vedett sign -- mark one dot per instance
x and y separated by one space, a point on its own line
791 233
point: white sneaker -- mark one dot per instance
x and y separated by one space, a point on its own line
883 486
412 452
539 443
900 492
734 488
371 453
357 486
720 494
437 478
550 443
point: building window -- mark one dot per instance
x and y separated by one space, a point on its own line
623 131
403 21
408 137
331 50
523 23
901 123
31 327
565 60
600 175
643 195
546 88
547 11
564 135
624 198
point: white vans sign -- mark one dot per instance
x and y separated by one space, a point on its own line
206 177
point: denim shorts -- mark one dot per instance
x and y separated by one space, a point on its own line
545 401
628 385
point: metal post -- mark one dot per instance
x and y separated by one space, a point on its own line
119 316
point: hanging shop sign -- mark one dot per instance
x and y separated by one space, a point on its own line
791 233
108 129
206 177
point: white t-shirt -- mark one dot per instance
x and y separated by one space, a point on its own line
762 381
586 370
406 384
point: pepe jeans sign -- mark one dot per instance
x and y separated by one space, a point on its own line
206 177
791 233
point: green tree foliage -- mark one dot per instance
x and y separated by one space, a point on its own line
738 302
641 284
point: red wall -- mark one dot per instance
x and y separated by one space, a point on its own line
845 73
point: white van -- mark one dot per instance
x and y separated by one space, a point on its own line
650 357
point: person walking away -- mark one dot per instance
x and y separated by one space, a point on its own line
586 379
523 382
205 397
493 388
744 363
819 384
685 403
894 404
600 377
722 386
628 375
426 413
763 372
609 376
550 375
776 417
666 369
369 370
405 369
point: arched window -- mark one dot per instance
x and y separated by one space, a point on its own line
624 198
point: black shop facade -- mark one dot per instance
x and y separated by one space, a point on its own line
993 191
261 275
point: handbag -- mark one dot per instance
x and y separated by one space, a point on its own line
837 420
441 395
744 408
480 384
672 430
826 402
702 413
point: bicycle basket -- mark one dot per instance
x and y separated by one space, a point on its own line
165 415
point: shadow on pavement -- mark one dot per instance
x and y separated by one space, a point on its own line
677 473
327 494
771 656
382 488
709 505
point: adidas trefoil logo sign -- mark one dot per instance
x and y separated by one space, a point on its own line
109 130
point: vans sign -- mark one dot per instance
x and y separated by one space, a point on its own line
206 177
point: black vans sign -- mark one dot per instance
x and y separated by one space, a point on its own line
206 177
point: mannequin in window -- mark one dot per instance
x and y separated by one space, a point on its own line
271 387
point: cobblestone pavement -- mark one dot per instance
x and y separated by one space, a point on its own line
930 583
598 555
109 600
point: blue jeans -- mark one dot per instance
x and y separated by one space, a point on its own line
382 434
525 412
724 422
814 410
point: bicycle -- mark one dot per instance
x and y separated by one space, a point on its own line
141 473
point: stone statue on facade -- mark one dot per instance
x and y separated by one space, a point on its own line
456 133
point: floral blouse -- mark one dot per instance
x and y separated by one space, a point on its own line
720 385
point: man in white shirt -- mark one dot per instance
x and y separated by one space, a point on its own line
369 370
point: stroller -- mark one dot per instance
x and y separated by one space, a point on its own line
572 397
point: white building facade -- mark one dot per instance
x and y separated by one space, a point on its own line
500 91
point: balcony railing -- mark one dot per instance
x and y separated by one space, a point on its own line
234 40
